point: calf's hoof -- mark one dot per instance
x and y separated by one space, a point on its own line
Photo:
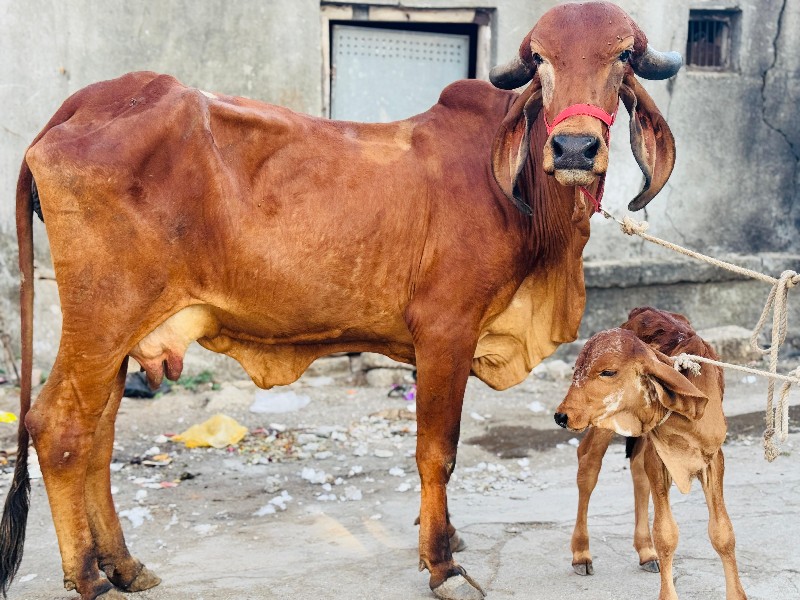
457 543
584 568
651 566
459 587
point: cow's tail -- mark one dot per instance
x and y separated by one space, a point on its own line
15 513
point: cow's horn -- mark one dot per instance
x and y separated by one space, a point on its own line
653 64
511 75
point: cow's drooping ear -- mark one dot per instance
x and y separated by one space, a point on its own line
512 143
651 140
680 395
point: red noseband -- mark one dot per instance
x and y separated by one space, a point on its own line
591 111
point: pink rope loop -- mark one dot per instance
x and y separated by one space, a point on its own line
598 113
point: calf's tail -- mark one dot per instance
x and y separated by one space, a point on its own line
15 513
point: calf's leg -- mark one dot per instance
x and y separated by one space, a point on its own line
642 540
62 423
720 529
113 557
665 530
591 451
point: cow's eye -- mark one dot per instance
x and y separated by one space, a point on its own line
537 58
608 373
625 56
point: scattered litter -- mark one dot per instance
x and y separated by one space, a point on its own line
403 487
312 476
394 414
360 450
397 472
407 391
141 495
536 407
29 577
273 484
281 402
477 417
158 460
352 493
8 417
116 466
267 509
137 515
136 386
355 470
381 453
218 432
160 439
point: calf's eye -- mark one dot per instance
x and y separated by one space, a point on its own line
608 373
625 56
537 59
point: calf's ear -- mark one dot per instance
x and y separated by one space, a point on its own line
651 140
680 395
512 143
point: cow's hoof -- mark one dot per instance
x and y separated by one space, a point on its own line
458 588
583 568
457 543
651 566
145 580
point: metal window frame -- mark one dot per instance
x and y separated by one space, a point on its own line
374 14
726 23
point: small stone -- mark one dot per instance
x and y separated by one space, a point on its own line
381 453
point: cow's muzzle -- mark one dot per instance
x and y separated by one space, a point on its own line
574 152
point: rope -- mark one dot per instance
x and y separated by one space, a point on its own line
777 417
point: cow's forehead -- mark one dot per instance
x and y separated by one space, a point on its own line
593 27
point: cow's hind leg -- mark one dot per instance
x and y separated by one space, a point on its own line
642 540
62 423
113 557
443 365
591 451
720 529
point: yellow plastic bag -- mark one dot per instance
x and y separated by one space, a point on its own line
7 417
218 432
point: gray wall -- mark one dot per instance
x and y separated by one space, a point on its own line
733 189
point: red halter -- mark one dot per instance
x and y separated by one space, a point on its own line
591 111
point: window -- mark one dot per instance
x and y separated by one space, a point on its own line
713 35
384 63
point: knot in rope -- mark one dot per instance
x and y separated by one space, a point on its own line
632 227
683 362
777 418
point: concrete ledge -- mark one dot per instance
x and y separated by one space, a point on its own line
659 271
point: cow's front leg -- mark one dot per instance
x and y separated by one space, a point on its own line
443 366
123 570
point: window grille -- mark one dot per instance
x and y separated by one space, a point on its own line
711 39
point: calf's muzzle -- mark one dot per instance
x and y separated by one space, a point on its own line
561 419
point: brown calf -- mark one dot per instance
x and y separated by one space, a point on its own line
624 381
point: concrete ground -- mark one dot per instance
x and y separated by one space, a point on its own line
326 508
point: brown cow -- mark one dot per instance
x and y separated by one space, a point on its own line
276 238
625 381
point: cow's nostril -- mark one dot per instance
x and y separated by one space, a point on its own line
561 419
558 149
591 150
